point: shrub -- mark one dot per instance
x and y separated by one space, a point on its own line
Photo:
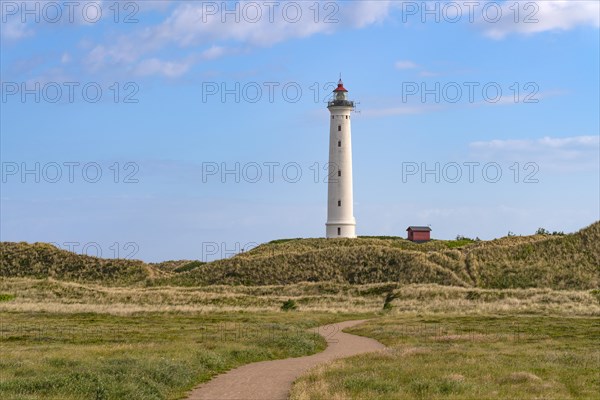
189 266
289 305
472 295
6 297
387 303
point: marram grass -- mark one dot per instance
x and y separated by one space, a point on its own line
538 261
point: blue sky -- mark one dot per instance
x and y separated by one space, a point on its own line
189 93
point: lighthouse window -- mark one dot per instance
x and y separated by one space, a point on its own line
339 231
339 203
332 117
339 143
339 173
339 128
346 117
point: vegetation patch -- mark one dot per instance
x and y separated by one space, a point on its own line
6 297
150 356
387 303
189 266
596 294
289 305
522 357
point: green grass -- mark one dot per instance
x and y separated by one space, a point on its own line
143 356
445 342
466 357
451 244
382 237
189 266
6 297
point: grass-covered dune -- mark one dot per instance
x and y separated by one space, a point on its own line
554 261
43 260
546 261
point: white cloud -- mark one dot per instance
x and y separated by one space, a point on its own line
20 18
169 69
545 142
65 58
574 153
405 64
363 13
175 69
14 30
542 16
125 51
213 53
195 24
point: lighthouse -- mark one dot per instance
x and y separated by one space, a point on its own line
340 207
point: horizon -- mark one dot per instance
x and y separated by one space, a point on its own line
155 129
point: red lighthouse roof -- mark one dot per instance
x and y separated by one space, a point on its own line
340 87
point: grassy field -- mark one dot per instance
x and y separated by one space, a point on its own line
65 340
141 356
515 317
48 295
466 357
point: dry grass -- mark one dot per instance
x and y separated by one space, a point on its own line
32 295
520 377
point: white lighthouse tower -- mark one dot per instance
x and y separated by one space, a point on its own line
340 214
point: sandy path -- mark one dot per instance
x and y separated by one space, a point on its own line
272 380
